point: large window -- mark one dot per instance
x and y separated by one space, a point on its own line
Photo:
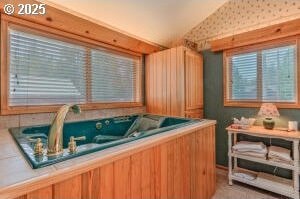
262 74
48 70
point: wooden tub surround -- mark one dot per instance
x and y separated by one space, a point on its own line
175 164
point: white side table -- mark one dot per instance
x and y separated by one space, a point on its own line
283 186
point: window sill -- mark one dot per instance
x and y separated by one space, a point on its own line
249 104
53 108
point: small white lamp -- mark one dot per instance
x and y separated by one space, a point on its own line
268 110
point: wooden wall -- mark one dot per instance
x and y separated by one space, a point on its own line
165 82
71 23
174 83
182 168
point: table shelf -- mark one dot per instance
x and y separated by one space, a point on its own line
273 183
264 161
283 186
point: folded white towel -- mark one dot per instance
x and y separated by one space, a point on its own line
261 151
253 154
279 153
244 174
274 159
249 145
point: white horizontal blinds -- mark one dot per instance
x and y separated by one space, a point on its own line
45 71
114 77
267 75
279 74
243 83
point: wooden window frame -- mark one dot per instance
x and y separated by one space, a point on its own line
20 24
255 47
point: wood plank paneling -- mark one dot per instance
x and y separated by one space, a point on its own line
170 169
44 193
178 170
148 180
22 197
194 113
70 189
164 171
122 178
107 181
181 168
136 175
157 171
174 82
87 183
193 80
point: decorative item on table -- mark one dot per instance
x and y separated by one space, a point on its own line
268 111
243 123
292 126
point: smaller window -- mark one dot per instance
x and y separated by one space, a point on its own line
264 74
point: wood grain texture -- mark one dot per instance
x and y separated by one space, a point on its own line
194 113
180 168
136 176
278 31
70 189
174 82
193 80
71 23
122 179
107 181
45 193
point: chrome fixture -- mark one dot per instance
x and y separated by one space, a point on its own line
98 125
55 137
107 122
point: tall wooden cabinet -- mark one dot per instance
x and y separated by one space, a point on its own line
174 83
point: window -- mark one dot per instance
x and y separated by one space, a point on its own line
114 77
45 71
48 70
261 74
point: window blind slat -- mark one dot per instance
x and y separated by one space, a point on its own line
45 71
277 69
114 77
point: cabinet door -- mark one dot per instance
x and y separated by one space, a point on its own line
196 113
165 82
193 80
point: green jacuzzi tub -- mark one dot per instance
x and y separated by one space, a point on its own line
99 134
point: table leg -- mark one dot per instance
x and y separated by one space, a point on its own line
229 158
234 142
296 171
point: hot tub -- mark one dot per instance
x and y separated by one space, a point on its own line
99 134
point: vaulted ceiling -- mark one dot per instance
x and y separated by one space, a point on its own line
158 21
238 16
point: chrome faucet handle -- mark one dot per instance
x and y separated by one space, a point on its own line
72 144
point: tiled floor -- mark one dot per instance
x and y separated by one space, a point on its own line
239 190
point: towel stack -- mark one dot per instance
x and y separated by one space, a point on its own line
279 154
255 149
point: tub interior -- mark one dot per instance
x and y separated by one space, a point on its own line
99 134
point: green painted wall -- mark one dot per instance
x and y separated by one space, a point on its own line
214 109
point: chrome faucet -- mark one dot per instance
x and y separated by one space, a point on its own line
55 137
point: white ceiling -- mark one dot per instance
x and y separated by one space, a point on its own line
158 21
